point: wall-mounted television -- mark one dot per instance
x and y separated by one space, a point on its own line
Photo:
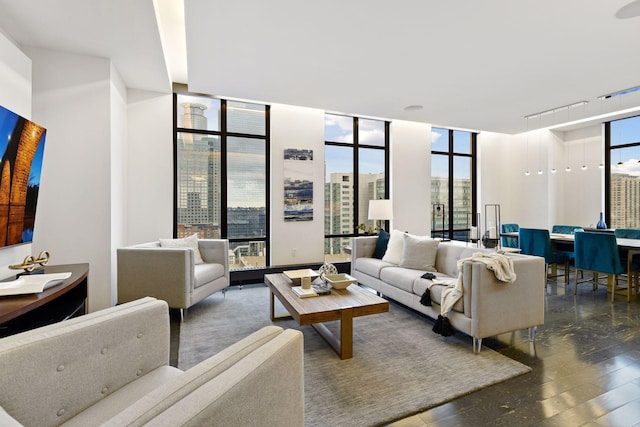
22 148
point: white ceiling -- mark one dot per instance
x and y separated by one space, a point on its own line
480 65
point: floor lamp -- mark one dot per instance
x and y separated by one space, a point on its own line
380 210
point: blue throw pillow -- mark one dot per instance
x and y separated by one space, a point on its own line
381 244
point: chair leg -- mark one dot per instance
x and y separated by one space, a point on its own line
532 333
477 345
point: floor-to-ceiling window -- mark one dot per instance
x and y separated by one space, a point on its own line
221 189
356 164
622 173
453 172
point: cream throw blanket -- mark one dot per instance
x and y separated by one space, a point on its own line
500 264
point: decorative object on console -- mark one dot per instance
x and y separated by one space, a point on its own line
475 229
437 216
491 226
601 224
29 263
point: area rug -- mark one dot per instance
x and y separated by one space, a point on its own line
399 366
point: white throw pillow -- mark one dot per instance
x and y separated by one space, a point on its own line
393 254
187 242
419 252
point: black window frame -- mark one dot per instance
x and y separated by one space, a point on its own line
224 134
608 156
449 233
355 145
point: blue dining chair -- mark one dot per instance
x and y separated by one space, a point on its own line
510 242
627 233
565 229
633 265
597 253
537 242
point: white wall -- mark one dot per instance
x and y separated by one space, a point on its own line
583 195
296 242
118 172
15 95
72 99
540 201
149 167
410 147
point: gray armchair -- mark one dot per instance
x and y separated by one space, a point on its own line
170 274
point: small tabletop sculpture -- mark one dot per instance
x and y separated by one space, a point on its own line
29 263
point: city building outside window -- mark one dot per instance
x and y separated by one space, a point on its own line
221 187
622 172
453 172
356 164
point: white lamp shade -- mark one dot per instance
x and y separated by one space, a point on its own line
380 209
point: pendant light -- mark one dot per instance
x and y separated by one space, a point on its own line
540 146
527 156
568 168
584 163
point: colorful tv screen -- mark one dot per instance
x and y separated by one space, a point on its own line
22 147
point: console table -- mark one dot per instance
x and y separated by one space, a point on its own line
68 299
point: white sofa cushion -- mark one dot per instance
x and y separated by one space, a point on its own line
401 278
205 273
371 266
395 246
123 398
190 242
419 252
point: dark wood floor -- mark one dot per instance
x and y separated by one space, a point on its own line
586 368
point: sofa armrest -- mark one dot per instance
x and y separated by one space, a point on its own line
363 247
498 307
216 251
59 370
148 271
264 388
162 398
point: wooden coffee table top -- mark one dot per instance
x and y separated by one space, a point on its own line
325 308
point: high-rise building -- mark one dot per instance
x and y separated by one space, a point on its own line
625 201
199 175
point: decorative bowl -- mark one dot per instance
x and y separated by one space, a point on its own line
296 275
339 281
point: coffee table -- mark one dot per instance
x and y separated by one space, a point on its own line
342 305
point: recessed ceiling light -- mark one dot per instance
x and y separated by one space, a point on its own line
413 108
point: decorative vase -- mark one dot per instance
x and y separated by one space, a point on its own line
601 224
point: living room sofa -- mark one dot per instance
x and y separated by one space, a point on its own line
488 306
111 368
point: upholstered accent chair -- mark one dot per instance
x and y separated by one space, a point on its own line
598 253
510 242
111 368
537 242
173 274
